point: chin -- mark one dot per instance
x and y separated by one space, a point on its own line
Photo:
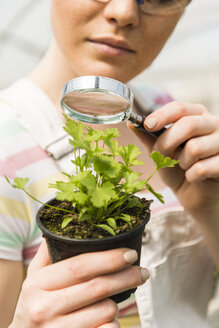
102 69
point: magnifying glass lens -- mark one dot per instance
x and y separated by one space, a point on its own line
96 103
100 100
97 100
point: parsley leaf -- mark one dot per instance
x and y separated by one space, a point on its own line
161 161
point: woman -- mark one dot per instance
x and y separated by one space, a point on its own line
117 39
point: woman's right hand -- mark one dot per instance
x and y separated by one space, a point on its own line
75 292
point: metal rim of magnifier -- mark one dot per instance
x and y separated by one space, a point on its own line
97 84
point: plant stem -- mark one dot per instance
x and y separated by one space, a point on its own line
75 156
99 213
151 175
51 206
117 204
123 208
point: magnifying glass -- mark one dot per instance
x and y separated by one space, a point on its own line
101 100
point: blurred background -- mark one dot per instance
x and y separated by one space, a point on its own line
188 67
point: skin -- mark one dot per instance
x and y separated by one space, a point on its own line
72 54
9 289
121 20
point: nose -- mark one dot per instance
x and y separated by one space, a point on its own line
122 12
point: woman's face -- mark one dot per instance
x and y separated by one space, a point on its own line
113 39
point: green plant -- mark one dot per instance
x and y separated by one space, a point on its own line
102 186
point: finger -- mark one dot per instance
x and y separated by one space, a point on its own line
84 267
170 113
98 314
185 128
99 288
114 324
91 316
204 169
40 260
198 148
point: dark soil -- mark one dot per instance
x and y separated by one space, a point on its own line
52 220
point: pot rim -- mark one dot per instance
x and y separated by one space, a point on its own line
93 240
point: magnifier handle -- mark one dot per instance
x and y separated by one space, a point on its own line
138 122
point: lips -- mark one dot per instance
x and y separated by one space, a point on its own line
111 46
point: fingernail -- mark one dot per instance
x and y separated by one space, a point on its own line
151 122
130 256
145 274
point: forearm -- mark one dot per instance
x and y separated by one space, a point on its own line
11 277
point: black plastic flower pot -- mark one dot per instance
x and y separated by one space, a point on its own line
61 247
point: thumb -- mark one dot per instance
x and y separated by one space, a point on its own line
40 260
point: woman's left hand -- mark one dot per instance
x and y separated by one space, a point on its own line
195 181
